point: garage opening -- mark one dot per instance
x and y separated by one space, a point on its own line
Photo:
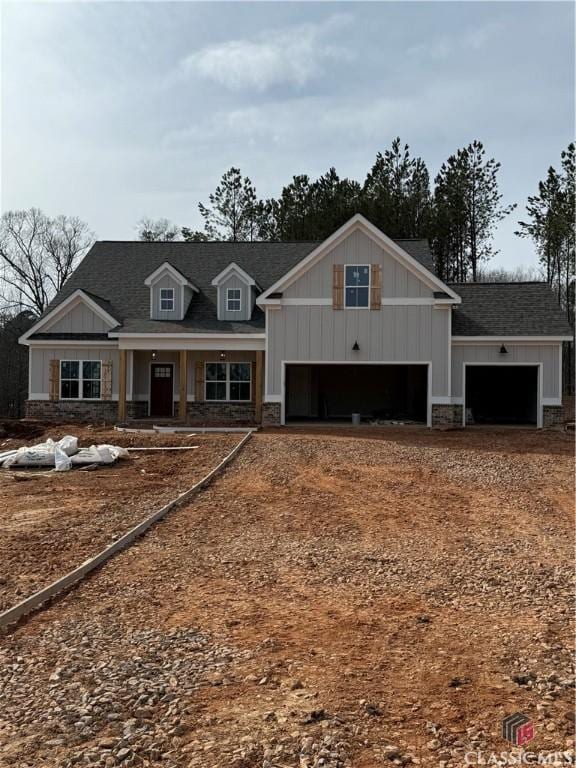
502 394
379 393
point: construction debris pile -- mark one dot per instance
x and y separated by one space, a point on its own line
62 455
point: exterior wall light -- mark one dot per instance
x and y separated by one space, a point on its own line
154 355
222 355
355 347
503 350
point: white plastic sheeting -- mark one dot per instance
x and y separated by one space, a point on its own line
99 454
48 454
62 455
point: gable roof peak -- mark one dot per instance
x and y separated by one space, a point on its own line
233 268
173 271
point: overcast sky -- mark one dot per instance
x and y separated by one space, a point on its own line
112 111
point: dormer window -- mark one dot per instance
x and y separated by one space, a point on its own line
233 300
166 299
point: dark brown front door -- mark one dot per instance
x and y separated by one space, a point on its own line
161 389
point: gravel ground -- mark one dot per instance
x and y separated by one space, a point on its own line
360 599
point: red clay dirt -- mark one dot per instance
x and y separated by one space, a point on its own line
361 598
51 522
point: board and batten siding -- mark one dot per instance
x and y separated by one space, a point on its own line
246 299
547 354
78 319
358 248
393 334
39 362
167 281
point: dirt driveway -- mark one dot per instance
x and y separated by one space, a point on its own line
355 599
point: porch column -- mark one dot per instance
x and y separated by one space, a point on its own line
122 385
258 387
183 384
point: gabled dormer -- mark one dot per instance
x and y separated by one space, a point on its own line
170 293
236 293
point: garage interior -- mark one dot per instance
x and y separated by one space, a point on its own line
377 392
501 394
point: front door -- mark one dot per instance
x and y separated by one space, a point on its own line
161 389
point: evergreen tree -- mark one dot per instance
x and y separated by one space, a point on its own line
234 211
551 226
193 235
396 193
467 208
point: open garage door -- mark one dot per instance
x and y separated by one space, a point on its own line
501 394
327 392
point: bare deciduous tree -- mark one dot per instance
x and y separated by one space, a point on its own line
37 255
156 230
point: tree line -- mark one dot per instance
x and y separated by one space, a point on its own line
458 213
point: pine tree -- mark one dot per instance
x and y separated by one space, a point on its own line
396 193
234 210
550 225
467 208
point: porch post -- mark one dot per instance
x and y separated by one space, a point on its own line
258 388
183 384
122 385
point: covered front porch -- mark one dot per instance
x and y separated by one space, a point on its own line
204 387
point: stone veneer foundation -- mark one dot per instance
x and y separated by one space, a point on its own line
271 414
82 410
446 415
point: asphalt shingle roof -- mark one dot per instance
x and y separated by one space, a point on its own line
507 309
113 273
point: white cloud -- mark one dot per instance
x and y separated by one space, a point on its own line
444 47
294 56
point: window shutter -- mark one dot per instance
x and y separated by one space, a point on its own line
375 286
54 380
106 386
199 381
338 286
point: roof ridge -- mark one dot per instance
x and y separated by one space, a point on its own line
503 282
213 242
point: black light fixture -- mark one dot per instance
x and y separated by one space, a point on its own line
222 355
154 355
503 350
356 346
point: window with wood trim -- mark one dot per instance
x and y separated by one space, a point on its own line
357 286
166 299
228 382
80 379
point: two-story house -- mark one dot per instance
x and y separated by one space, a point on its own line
224 333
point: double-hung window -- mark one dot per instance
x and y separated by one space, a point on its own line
166 299
80 379
357 285
233 300
228 381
